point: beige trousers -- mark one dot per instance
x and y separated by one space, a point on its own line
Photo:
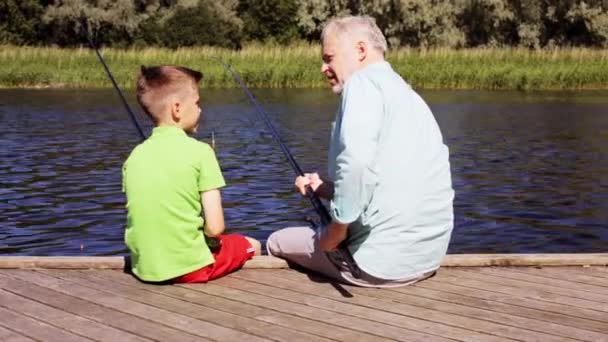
300 245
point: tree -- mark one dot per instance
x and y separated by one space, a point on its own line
578 22
207 23
312 14
419 23
267 20
20 21
109 21
531 32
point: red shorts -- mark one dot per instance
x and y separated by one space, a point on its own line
234 251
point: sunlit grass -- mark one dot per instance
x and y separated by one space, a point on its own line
298 67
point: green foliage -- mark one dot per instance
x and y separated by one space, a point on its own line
229 23
313 13
20 21
488 23
269 19
530 30
419 23
207 23
298 66
108 21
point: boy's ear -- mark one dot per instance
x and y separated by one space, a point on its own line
176 113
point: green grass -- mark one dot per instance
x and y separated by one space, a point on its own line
298 67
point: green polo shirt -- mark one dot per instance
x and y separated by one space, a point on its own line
163 178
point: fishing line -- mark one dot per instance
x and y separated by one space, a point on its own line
211 241
314 200
142 136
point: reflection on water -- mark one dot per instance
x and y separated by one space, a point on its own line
530 170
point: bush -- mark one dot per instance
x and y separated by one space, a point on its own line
20 22
268 20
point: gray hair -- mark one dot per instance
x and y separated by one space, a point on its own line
351 25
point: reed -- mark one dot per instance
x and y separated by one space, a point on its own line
298 67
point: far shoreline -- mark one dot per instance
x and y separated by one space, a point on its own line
298 67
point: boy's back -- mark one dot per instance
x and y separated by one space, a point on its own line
168 179
163 178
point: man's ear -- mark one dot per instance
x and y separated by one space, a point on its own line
361 49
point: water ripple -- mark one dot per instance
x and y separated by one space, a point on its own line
530 172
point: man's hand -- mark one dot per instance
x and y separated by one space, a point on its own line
332 236
322 188
311 180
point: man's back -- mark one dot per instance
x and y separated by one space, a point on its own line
406 224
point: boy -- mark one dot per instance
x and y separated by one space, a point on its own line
167 179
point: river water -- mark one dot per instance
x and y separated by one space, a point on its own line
530 170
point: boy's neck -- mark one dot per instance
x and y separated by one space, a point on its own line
169 124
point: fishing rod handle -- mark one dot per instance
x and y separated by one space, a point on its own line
325 221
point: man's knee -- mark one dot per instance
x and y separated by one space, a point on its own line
287 241
272 244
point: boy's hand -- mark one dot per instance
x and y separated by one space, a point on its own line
311 180
213 243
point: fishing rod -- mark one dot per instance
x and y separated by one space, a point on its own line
316 202
211 241
122 97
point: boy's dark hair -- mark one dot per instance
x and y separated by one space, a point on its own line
155 83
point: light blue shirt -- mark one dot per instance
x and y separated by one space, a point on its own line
391 174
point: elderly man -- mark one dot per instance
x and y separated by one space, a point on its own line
389 183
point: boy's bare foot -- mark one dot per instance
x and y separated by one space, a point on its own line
255 244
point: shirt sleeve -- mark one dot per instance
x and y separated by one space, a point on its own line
362 112
210 173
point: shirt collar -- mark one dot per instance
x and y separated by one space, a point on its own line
167 131
378 65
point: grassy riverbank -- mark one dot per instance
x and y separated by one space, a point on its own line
270 66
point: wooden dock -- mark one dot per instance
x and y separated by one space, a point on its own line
83 299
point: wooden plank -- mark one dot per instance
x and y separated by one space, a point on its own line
355 308
409 330
84 308
573 274
511 327
35 329
160 316
64 320
600 270
452 260
504 294
11 336
257 312
552 259
596 301
591 308
70 262
564 322
539 278
565 325
240 322
105 262
597 271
